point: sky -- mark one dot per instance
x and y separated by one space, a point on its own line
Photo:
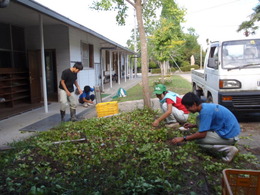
211 19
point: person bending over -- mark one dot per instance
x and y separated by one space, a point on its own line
66 90
218 128
173 111
86 97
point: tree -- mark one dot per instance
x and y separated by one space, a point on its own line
250 26
191 46
168 35
144 10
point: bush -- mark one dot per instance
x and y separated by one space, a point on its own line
156 71
185 63
188 68
153 64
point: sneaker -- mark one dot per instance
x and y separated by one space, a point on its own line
232 151
184 129
85 105
172 125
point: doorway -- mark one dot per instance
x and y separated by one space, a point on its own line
36 74
51 75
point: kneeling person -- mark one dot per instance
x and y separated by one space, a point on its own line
218 128
86 97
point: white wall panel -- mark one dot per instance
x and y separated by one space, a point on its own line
88 75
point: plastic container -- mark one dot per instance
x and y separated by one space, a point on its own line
240 182
107 108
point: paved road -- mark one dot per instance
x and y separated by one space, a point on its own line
187 76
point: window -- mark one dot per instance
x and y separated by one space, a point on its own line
241 53
87 54
213 57
12 47
107 60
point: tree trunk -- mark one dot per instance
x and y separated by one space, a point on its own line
162 71
144 54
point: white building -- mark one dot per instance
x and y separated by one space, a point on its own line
37 44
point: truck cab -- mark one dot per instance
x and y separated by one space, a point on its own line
231 75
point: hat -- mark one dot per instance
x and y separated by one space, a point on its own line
159 89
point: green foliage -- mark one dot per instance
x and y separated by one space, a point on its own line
152 64
156 71
191 47
251 26
172 70
189 68
123 154
173 83
166 81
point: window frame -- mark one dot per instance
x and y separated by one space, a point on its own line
87 55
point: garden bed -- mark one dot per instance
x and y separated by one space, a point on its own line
123 154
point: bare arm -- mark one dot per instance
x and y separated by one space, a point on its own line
189 125
77 85
197 135
88 101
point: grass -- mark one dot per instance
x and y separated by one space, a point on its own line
174 83
103 95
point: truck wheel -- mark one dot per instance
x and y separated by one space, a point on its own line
196 92
209 99
4 3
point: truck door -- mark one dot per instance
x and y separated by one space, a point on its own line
211 73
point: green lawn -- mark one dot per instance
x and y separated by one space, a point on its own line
174 83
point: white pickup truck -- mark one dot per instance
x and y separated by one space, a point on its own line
231 75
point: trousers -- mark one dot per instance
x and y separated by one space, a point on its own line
176 115
67 100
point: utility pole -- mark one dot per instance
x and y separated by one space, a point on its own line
200 57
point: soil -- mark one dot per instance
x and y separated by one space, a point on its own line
250 134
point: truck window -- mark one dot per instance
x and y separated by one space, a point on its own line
213 58
241 54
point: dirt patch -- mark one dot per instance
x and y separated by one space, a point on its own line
250 134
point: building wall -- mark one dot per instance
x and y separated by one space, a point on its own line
56 37
88 76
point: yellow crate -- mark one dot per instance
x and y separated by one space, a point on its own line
242 182
107 108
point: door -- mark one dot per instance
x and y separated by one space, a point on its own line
34 61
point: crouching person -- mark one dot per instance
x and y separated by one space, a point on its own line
86 97
173 111
218 128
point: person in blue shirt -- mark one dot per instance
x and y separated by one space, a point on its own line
86 97
218 128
